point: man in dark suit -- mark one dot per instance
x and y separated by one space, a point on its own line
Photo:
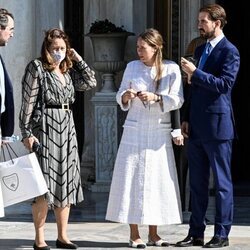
210 127
6 89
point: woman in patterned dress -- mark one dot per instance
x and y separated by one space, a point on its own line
144 188
48 91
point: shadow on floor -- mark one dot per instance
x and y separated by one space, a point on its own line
93 209
27 244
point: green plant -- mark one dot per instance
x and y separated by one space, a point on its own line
105 26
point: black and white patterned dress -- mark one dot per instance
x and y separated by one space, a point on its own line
59 157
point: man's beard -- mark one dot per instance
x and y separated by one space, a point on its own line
207 35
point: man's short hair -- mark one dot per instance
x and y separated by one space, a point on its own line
4 17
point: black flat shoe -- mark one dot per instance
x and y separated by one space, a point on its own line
40 248
190 241
60 244
217 242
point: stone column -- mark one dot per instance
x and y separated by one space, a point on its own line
106 139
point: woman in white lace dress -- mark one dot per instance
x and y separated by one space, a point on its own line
144 187
48 91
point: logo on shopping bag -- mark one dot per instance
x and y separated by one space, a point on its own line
11 181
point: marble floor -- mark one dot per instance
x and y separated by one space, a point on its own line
93 209
88 228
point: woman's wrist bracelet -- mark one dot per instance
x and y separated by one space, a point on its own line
158 98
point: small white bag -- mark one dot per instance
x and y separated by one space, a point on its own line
21 179
1 204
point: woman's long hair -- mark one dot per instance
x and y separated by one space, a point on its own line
154 39
47 60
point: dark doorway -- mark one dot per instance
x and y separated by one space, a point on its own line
74 27
238 32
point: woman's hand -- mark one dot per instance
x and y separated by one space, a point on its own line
128 95
145 96
75 56
179 140
28 142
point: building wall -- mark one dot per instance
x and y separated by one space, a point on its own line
32 17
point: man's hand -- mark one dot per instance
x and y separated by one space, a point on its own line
184 129
188 67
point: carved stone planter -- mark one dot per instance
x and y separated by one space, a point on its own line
108 52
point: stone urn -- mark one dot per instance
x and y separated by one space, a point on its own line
108 49
108 42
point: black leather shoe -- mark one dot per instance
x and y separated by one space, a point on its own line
190 241
35 247
60 244
217 242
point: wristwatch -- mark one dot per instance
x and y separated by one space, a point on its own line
158 98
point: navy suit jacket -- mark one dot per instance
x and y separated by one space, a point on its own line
7 118
210 112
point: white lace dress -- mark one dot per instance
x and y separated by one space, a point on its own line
144 188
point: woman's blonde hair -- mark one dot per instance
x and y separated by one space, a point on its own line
48 61
154 39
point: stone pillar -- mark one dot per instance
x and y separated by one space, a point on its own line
106 139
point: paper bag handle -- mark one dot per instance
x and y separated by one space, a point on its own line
10 152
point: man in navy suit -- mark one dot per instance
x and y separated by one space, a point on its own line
210 127
6 89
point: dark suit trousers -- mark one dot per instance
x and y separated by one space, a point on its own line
202 156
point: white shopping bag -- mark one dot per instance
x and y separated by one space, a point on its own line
21 179
1 204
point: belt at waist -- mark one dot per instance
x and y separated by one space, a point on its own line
64 106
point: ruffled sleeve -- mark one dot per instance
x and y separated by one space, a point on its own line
83 76
30 88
